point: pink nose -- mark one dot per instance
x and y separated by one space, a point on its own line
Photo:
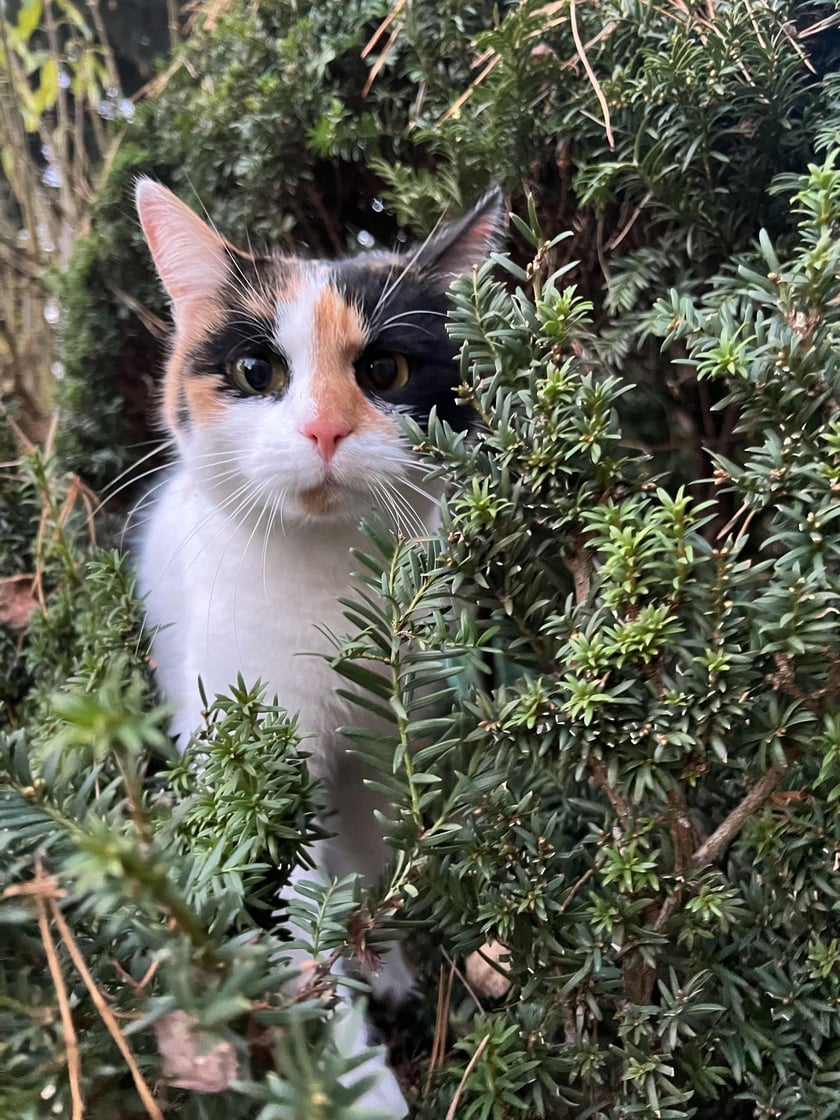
326 433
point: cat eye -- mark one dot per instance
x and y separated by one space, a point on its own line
382 371
260 375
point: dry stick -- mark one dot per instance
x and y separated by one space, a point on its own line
106 1014
590 73
71 1041
380 62
450 1114
711 850
383 27
441 1019
468 92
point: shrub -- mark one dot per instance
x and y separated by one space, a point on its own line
627 774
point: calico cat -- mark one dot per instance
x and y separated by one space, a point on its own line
282 391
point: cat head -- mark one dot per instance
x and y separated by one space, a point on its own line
285 374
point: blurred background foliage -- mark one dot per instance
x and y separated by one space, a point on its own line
638 800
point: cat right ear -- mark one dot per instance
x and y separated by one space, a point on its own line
453 250
191 259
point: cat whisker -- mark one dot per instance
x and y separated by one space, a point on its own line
108 497
392 285
402 318
275 506
244 554
138 505
406 518
415 488
245 508
245 489
108 492
390 510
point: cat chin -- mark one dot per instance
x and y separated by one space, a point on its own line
327 504
320 500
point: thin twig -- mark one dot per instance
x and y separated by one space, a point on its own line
460 974
468 92
106 1014
71 1040
444 1001
380 62
619 237
383 27
482 1046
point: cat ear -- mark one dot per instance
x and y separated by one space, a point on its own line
463 243
191 259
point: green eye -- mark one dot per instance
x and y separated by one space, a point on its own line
382 371
260 375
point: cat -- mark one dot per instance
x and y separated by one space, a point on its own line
282 392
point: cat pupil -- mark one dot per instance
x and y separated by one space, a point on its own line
383 371
257 372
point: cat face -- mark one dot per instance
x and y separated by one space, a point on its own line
285 375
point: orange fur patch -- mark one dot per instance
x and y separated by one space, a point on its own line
338 336
278 281
204 398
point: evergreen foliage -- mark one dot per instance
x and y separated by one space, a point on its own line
612 679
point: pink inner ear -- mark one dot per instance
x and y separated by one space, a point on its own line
190 258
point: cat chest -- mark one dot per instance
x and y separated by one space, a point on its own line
228 602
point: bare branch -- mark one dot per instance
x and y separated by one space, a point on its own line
713 848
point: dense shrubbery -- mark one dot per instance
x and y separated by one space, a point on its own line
629 777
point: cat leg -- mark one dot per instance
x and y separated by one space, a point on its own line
352 1033
357 846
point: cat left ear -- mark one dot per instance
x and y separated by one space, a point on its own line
465 242
190 257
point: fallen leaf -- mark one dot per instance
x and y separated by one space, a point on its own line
17 601
486 969
194 1059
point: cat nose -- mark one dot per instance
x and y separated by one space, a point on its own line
326 434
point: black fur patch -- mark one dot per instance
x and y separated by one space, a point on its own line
402 314
244 334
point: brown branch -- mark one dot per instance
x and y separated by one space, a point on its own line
621 806
582 881
681 831
581 565
106 1014
46 885
713 848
